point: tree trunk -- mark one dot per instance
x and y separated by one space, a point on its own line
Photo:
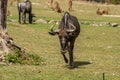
6 42
3 9
3 47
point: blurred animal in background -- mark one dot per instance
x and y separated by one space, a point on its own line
56 7
50 3
25 8
8 13
70 5
106 11
14 2
99 12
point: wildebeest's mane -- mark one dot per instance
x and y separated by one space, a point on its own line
66 19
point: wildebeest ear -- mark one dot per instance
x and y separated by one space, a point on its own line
54 32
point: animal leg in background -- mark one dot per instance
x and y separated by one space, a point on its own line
70 5
24 17
19 17
30 18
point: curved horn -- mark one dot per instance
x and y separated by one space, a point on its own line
51 28
72 30
53 32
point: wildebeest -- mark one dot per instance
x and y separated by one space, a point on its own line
25 7
67 32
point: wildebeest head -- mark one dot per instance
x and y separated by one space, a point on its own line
63 35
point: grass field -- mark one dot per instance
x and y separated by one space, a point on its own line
96 49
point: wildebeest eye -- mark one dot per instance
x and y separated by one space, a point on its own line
70 33
60 36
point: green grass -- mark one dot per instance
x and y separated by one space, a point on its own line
99 46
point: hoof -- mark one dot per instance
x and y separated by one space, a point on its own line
71 66
66 61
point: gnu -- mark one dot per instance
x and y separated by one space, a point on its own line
67 32
23 8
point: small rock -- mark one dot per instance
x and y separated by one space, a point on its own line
11 20
109 47
85 23
114 24
41 21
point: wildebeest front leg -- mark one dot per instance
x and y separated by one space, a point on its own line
65 59
71 63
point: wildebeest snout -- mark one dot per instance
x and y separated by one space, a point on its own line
63 45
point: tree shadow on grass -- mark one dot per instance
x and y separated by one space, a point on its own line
78 64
